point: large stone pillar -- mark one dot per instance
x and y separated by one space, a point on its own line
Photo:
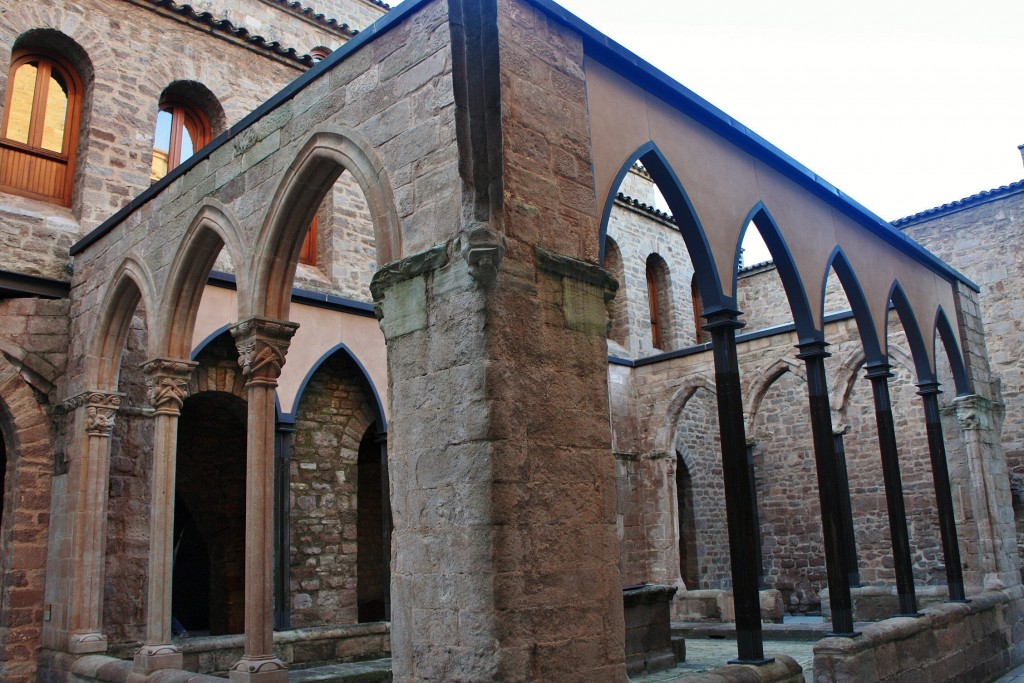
836 546
879 374
504 553
88 474
167 380
737 477
262 345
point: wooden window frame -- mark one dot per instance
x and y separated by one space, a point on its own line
36 153
307 255
698 312
184 116
654 305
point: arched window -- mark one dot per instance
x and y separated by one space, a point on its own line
320 53
181 129
698 312
40 127
660 299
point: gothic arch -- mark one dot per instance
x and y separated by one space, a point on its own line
786 266
29 449
922 362
214 228
131 284
850 283
768 375
369 386
323 157
681 207
846 377
38 372
944 332
665 440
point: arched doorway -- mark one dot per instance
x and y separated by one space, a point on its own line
208 593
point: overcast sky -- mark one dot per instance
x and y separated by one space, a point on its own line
901 104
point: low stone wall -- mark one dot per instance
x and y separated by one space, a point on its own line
717 605
974 642
875 603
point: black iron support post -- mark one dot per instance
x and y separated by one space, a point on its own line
879 374
846 508
282 524
929 393
742 518
814 354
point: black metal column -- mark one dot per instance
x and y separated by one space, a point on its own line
879 375
385 484
814 354
929 393
282 524
739 485
846 508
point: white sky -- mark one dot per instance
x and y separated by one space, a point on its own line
901 104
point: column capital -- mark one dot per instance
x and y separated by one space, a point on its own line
262 344
167 383
973 412
100 409
930 388
813 349
723 318
878 370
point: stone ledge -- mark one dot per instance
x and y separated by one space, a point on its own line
783 670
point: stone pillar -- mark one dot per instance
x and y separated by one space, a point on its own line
504 553
262 345
846 504
879 374
814 354
739 488
929 393
989 486
167 380
88 474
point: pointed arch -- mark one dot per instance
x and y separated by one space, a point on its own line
918 350
666 437
838 262
312 173
768 375
799 305
846 377
132 283
682 210
214 228
945 333
368 385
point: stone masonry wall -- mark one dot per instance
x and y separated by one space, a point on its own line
333 415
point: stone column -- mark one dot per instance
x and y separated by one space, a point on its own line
814 354
929 393
740 511
846 504
167 380
262 345
879 375
88 474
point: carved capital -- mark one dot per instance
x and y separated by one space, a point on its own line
100 408
974 412
167 381
482 249
262 345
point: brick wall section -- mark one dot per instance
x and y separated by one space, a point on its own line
332 417
27 434
127 559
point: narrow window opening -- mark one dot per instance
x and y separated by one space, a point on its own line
181 129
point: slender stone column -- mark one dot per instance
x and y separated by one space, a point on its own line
929 393
262 345
739 487
845 504
167 380
814 354
282 523
879 375
88 472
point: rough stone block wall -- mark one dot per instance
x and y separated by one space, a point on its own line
127 559
332 418
35 337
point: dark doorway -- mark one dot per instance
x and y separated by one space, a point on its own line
372 554
687 528
209 517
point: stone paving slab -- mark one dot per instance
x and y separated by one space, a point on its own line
1015 676
374 671
705 654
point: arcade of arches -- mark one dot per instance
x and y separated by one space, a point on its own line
237 456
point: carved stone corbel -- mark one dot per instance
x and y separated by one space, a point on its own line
262 345
482 249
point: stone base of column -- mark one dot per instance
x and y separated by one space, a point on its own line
152 658
87 643
259 670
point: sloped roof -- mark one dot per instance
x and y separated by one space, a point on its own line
961 204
